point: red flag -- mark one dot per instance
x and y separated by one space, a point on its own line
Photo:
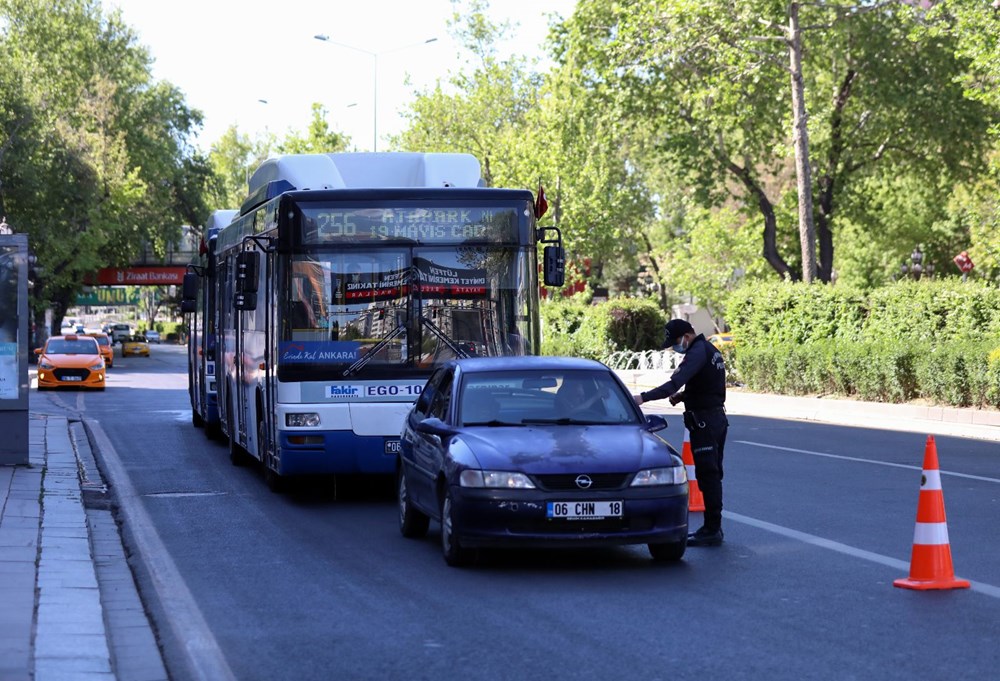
541 205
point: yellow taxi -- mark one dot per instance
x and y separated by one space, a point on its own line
135 345
70 361
721 340
106 347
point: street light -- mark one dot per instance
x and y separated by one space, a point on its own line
916 268
374 55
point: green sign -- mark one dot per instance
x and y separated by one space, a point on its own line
111 295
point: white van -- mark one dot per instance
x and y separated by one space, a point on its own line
120 332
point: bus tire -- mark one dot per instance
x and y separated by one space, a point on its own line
274 480
237 455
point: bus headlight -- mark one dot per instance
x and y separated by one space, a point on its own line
310 420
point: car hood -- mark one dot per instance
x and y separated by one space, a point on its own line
563 449
71 361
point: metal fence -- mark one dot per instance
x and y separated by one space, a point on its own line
647 360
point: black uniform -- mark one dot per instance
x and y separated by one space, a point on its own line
703 372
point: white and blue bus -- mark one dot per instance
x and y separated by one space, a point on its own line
345 280
199 304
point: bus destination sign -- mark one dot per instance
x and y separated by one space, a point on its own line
409 225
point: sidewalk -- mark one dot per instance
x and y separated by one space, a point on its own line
69 608
979 424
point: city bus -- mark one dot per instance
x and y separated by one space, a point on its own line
199 304
345 280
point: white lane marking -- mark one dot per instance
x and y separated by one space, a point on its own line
204 658
852 551
177 495
854 458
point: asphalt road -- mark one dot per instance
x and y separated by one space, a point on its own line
319 584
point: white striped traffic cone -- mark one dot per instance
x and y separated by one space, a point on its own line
930 563
696 502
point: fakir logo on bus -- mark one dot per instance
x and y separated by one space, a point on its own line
342 391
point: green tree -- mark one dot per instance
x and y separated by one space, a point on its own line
318 139
527 130
708 86
233 158
96 161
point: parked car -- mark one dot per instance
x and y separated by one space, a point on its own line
106 347
70 361
721 340
135 345
538 451
152 336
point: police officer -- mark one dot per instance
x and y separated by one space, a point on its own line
703 373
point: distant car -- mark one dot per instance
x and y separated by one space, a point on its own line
538 451
70 361
120 332
153 336
721 340
135 345
106 347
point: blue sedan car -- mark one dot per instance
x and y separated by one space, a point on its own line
538 451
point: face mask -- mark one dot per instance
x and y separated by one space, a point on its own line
681 347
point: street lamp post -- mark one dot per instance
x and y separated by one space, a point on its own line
374 55
915 267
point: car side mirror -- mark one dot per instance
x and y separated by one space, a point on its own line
435 426
655 422
38 351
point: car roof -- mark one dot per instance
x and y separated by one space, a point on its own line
526 363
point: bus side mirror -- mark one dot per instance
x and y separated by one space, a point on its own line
247 267
554 267
189 289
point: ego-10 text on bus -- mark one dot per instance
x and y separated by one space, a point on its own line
344 281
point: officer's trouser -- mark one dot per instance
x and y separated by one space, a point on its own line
707 430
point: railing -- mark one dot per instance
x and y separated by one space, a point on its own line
647 360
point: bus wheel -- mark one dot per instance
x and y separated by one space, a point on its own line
237 455
272 478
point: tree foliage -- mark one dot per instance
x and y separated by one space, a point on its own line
96 160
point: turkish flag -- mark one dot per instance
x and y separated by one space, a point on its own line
541 205
964 262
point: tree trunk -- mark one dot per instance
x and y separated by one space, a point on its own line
828 181
800 140
771 254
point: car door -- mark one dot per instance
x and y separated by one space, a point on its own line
429 450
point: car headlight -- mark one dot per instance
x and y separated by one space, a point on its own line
302 420
45 364
98 366
495 479
671 475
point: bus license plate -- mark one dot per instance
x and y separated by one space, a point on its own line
584 510
393 447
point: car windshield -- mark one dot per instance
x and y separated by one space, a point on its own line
65 346
101 340
561 397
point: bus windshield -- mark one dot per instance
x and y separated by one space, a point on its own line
396 309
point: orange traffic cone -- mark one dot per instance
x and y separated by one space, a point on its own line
930 564
696 502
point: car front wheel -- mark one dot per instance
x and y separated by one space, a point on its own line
454 554
669 552
412 523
